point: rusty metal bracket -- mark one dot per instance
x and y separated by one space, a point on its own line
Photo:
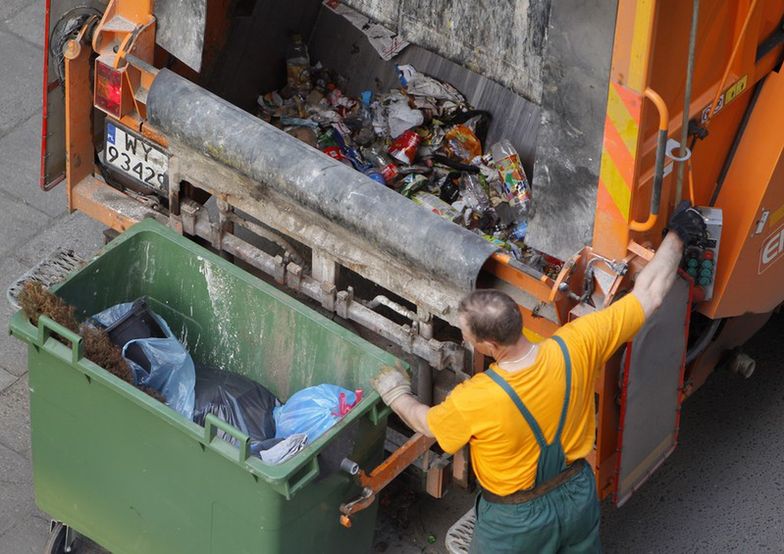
380 477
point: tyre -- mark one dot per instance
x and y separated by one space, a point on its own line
57 537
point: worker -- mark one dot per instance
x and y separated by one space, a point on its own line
530 418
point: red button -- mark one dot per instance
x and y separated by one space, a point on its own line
707 255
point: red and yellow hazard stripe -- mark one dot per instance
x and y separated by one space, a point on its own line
616 174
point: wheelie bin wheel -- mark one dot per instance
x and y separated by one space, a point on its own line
59 537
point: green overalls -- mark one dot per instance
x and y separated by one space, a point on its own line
564 520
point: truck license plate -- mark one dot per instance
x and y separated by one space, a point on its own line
136 157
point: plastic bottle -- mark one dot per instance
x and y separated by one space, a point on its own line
473 193
510 169
374 174
382 162
298 66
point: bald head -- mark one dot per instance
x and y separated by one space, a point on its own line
492 316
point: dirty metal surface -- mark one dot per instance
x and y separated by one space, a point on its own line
383 11
181 29
500 39
575 73
377 215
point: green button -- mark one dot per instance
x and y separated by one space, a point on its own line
692 262
692 271
704 281
706 273
707 263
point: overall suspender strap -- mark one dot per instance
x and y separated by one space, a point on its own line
520 406
527 414
568 361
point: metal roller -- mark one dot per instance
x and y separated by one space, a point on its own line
378 215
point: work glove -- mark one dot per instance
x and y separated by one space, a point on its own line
391 383
687 222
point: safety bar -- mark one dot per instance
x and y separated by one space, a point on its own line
658 175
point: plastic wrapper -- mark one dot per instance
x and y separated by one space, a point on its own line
434 204
283 450
401 117
412 184
419 84
314 410
239 401
171 370
379 119
461 143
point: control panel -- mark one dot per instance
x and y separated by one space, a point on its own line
700 263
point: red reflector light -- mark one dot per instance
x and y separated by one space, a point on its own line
108 89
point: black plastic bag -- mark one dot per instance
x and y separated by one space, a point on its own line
237 400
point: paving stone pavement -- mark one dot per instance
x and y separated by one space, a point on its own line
32 225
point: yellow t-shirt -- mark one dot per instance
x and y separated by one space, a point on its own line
504 451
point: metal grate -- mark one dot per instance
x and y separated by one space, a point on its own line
458 538
49 271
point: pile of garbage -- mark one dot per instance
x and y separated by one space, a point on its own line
423 140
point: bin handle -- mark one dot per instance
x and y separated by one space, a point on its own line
292 486
378 412
211 426
47 326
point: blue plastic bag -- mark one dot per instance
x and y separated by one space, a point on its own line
314 410
171 367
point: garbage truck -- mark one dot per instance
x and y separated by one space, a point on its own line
618 110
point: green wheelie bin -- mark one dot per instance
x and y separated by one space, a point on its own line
135 476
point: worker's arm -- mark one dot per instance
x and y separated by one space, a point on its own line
655 280
394 386
593 338
413 412
686 227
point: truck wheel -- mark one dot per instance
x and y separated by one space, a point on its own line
57 540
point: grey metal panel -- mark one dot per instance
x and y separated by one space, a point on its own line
180 29
651 397
383 11
575 73
500 39
338 45
375 213
503 40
